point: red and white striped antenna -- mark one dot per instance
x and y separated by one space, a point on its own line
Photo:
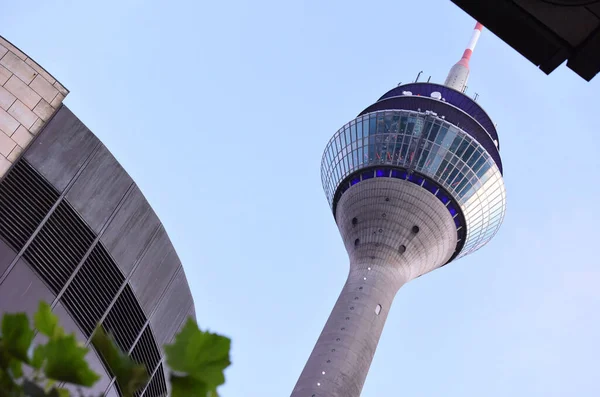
459 73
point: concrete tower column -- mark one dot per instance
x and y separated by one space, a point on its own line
342 355
393 231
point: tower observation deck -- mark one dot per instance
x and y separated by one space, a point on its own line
414 182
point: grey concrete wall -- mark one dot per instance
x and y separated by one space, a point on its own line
68 155
386 211
100 187
63 148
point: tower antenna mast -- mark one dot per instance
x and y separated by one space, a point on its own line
459 73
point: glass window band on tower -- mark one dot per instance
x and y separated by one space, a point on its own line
429 145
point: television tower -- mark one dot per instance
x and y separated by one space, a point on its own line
414 182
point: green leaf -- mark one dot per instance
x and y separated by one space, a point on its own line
39 356
49 384
63 392
202 355
58 393
65 362
7 384
133 377
31 389
16 368
47 322
187 386
16 335
5 358
130 375
53 393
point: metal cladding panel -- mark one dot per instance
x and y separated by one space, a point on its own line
66 321
125 319
154 271
59 247
192 311
61 148
6 256
91 291
130 230
157 386
99 189
146 351
172 309
25 199
22 291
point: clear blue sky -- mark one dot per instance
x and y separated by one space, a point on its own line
220 112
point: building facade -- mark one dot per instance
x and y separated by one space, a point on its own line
414 182
76 231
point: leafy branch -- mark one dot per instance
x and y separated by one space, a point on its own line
197 359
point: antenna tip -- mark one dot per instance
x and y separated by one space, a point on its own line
479 26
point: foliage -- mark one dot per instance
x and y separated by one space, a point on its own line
61 359
198 359
130 375
201 357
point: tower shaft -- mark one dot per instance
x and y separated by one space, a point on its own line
341 358
393 231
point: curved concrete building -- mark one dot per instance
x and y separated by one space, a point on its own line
76 231
414 182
